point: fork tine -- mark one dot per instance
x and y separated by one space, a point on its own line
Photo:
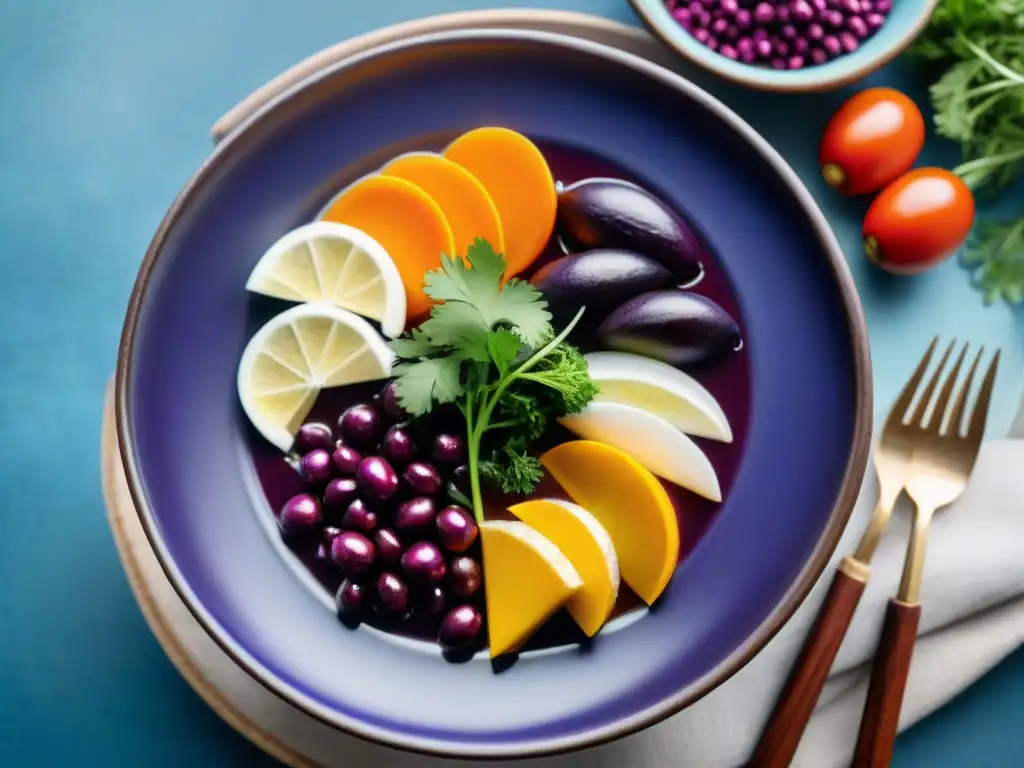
926 397
980 414
956 417
902 405
942 401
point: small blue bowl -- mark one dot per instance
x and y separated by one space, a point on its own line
906 21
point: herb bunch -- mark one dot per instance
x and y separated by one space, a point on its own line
979 103
489 348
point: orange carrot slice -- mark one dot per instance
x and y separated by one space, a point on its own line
466 204
517 177
406 221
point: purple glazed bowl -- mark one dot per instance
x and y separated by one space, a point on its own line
183 436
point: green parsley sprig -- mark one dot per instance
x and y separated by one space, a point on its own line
489 348
979 103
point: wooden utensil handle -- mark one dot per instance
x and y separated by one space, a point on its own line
888 681
793 708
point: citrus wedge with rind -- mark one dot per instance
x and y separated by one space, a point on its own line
587 545
297 353
661 389
336 263
526 579
649 439
629 502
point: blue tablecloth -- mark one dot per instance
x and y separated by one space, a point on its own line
106 107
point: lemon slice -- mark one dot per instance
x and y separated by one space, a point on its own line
652 441
327 261
296 354
660 388
526 579
630 504
587 545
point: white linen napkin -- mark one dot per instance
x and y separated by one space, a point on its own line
972 617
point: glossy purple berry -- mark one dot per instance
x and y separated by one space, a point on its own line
350 598
729 52
729 7
743 19
465 576
353 553
421 478
831 45
393 593
718 26
316 466
389 547
313 435
848 42
456 528
300 514
701 35
328 533
392 407
448 450
818 56
815 32
415 516
764 13
424 564
795 62
874 20
858 27
787 32
801 11
346 459
340 492
359 517
763 48
360 425
398 446
801 46
782 14
377 479
460 627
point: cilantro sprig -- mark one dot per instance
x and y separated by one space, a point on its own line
489 348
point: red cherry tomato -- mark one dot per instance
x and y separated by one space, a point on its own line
918 221
870 141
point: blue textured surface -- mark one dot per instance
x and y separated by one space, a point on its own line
107 111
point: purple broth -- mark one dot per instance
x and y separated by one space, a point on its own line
727 379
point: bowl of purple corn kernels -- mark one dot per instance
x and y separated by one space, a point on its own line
787 45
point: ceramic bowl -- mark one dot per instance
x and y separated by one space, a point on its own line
190 455
906 21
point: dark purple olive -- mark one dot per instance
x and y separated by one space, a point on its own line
398 446
465 576
316 466
328 533
456 528
346 459
431 603
600 280
448 450
313 435
377 479
350 598
353 553
300 514
359 517
340 492
424 564
392 407
415 516
460 627
389 547
421 478
360 425
603 213
393 594
674 326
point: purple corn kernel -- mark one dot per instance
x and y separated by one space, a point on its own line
728 51
696 8
818 56
730 7
831 45
801 10
858 26
815 32
819 5
744 44
719 26
850 6
763 48
682 16
848 42
795 62
702 36
764 13
743 18
703 20
874 21
835 18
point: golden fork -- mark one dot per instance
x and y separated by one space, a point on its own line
944 452
796 702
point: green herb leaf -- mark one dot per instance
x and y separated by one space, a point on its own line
412 345
519 471
420 383
503 347
459 326
565 371
995 255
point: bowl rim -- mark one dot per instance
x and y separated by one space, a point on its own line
779 82
846 496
